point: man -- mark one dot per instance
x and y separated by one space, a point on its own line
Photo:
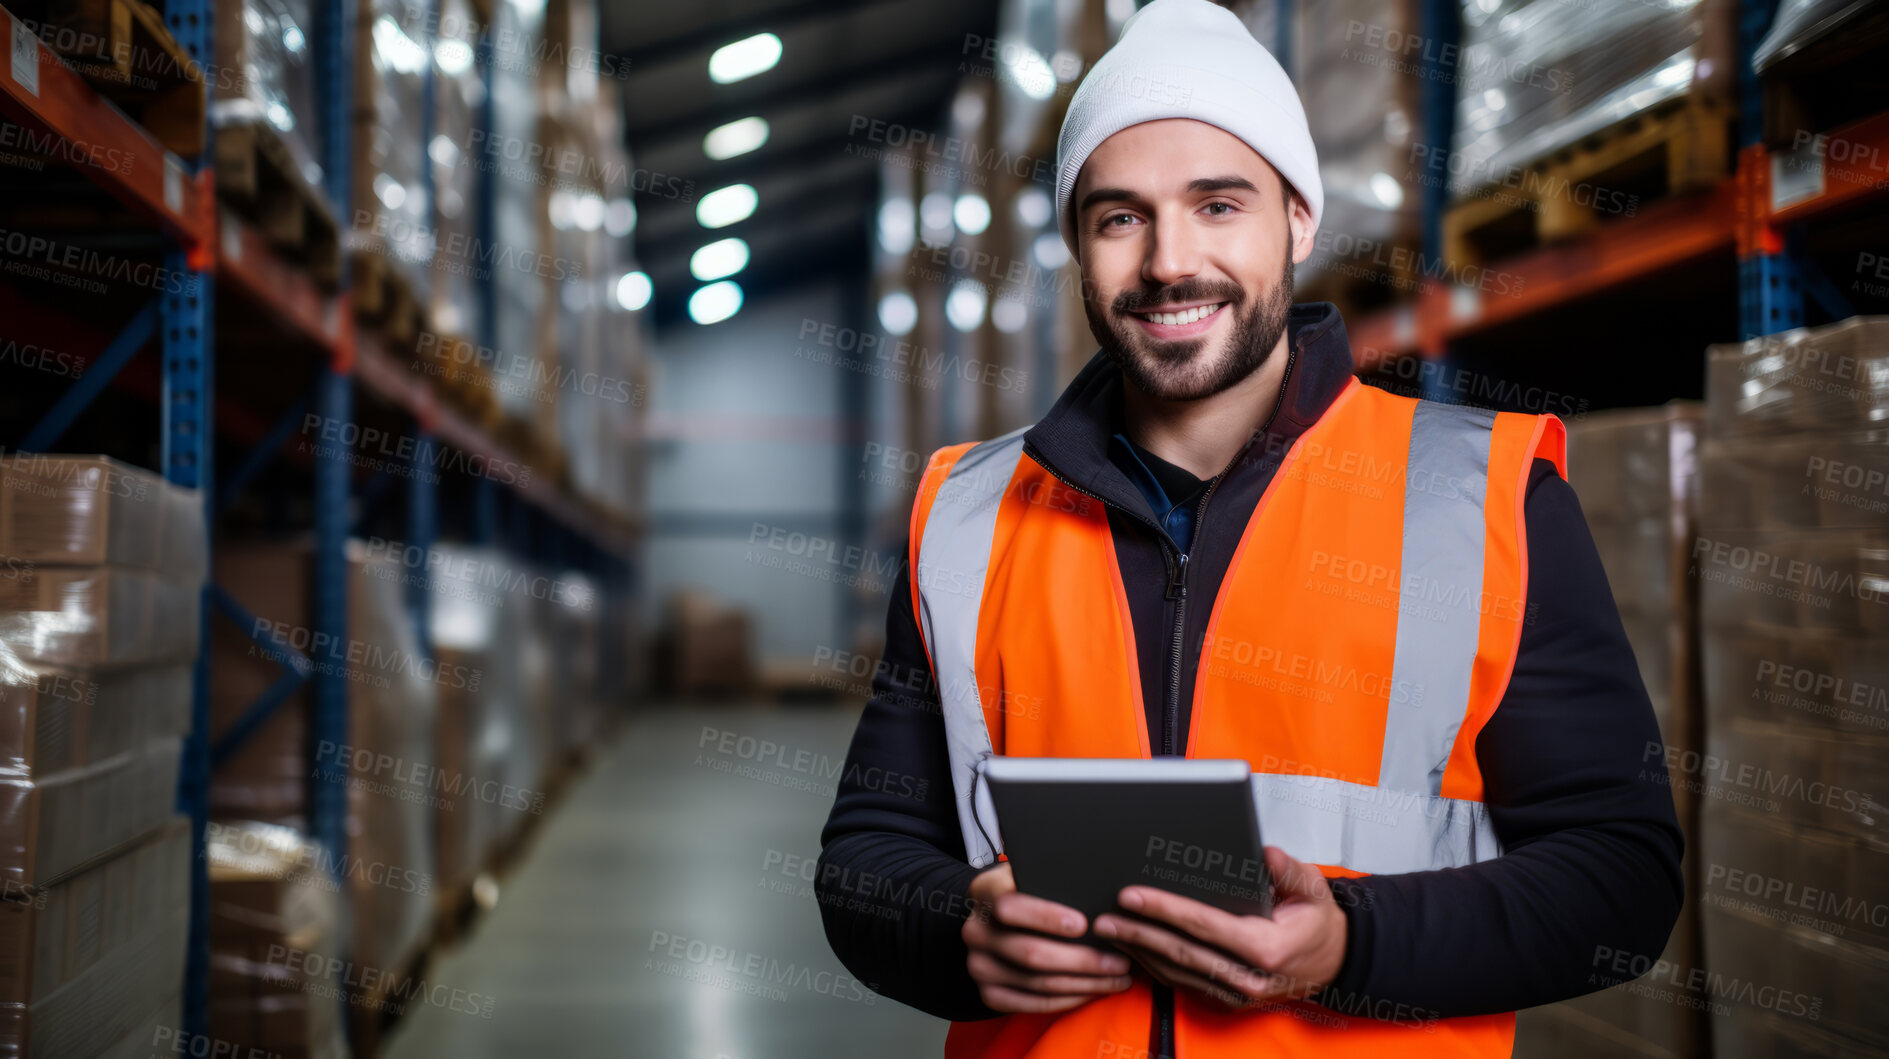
1218 543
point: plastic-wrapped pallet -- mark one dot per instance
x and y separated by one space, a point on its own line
392 215
475 633
528 266
1793 568
1636 472
266 63
393 706
459 92
86 962
387 762
1537 75
101 578
1360 88
1800 23
276 928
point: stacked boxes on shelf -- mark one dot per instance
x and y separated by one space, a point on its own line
1636 472
490 733
277 924
92 965
1358 67
390 235
269 135
387 764
101 581
1793 568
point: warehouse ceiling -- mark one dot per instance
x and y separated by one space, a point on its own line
886 60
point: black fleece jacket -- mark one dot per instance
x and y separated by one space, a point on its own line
1591 846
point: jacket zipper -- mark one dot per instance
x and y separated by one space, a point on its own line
1177 591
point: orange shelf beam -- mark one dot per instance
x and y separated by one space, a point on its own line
110 149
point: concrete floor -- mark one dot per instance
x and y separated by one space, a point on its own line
671 836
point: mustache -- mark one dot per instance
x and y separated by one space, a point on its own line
1134 301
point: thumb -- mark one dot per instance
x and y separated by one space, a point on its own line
1293 878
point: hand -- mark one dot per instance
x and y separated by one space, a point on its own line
1240 961
1018 970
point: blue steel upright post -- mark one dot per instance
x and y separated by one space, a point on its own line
189 450
328 713
1439 22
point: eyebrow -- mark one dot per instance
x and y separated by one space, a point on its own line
1196 186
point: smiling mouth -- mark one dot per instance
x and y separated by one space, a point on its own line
1185 316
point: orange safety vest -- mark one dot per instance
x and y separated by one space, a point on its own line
1362 636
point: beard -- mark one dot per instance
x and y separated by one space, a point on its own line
1187 369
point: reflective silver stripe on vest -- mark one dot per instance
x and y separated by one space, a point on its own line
1439 617
953 556
1404 823
1370 829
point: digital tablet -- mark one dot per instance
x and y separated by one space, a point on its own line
1077 830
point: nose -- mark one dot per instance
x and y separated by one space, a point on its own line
1174 253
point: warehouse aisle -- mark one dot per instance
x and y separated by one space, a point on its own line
681 834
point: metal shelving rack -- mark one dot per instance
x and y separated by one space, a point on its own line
1743 213
174 197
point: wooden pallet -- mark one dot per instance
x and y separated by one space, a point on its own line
124 49
257 174
384 297
1680 146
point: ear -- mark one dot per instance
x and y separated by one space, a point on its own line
1299 226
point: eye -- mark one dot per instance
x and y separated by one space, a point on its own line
1224 208
1110 220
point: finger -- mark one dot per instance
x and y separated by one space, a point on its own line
1181 951
1018 1002
1180 977
1016 909
1195 918
1294 878
1040 955
989 970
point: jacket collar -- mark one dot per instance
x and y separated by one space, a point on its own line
1072 439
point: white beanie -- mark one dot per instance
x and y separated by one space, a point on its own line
1188 59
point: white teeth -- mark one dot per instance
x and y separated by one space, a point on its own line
1185 316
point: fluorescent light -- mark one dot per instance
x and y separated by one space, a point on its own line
619 217
587 211
735 138
898 313
561 207
744 58
1033 206
934 218
724 206
454 57
719 259
896 218
633 291
715 302
1031 72
1009 314
972 213
392 193
1389 193
1049 251
964 306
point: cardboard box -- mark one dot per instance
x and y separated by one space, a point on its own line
275 910
99 615
53 718
84 962
53 824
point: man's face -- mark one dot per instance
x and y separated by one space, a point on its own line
1186 253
